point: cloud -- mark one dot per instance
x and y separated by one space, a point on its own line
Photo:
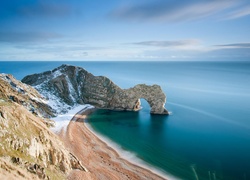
233 51
236 45
174 11
245 11
177 50
229 53
13 37
170 44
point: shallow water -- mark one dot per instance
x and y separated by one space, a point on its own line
207 136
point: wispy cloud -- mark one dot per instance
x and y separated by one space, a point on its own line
175 11
244 11
169 44
16 37
236 45
234 53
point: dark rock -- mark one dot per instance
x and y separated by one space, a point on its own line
16 160
37 169
14 99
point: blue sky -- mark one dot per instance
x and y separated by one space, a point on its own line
125 30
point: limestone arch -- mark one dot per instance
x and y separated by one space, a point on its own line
154 96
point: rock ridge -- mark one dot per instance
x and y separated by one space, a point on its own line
74 85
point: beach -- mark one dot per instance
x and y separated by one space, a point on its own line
101 161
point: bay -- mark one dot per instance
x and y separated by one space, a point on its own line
207 134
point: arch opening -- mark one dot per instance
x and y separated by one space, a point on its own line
140 103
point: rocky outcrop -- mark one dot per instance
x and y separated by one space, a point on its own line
74 85
129 99
25 95
28 149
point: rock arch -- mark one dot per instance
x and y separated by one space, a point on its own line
153 95
129 99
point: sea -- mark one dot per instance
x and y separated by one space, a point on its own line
207 134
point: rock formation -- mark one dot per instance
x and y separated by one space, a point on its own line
74 85
25 95
28 149
129 99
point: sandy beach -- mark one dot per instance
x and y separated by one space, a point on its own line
101 161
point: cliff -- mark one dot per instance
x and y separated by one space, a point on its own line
74 85
28 149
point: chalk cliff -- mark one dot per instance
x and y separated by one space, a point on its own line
28 149
74 85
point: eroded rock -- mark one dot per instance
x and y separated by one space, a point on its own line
28 97
74 85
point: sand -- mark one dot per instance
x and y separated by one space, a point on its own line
101 161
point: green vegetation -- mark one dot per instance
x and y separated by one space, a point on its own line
4 102
55 174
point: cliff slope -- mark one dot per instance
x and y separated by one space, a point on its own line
28 149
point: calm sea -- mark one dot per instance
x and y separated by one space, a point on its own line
207 136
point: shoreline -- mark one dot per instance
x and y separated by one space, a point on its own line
133 159
101 160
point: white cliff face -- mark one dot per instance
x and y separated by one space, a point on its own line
59 87
52 99
34 149
26 144
68 86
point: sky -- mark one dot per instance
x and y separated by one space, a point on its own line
148 30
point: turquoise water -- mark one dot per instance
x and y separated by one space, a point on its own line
208 134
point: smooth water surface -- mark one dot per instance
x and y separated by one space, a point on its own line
207 136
